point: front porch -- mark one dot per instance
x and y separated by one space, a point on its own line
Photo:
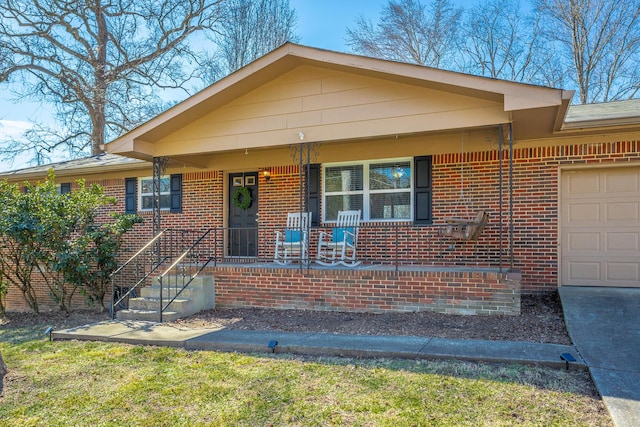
403 268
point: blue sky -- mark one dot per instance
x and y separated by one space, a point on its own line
321 23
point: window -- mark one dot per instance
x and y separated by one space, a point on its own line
145 200
64 188
390 190
138 194
381 189
343 189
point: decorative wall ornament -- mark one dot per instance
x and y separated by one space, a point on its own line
241 198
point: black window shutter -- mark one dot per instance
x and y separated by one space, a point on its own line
65 188
313 181
130 195
176 193
423 190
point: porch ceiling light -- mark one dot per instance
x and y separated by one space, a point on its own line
397 172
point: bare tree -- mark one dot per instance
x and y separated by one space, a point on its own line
601 41
501 41
96 62
250 29
409 31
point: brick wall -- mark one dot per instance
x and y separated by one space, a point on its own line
535 211
278 196
368 291
536 173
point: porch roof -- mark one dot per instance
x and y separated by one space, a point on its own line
100 163
535 111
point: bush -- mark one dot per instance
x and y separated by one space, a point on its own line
56 236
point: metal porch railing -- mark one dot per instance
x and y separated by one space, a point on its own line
184 269
139 269
177 257
392 244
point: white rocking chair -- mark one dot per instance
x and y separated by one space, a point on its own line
340 247
292 244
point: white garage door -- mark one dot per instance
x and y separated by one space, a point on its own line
600 227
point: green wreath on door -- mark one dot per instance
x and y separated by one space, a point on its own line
241 198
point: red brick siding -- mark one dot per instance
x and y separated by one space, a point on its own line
367 291
535 210
535 199
278 196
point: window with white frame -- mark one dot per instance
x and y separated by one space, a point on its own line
382 189
145 196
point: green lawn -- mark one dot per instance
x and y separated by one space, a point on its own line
64 383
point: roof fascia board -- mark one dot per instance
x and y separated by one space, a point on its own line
605 123
85 170
567 96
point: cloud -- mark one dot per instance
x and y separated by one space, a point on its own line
13 129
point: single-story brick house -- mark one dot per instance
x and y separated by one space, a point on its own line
411 147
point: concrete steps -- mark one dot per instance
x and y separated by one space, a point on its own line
197 297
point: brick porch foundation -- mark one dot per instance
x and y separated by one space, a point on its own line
454 292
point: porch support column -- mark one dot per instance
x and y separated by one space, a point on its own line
511 243
302 154
159 168
500 137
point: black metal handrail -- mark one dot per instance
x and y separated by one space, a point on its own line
139 269
187 266
120 293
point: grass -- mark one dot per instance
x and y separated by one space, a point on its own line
65 383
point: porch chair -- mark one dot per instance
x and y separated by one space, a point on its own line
293 243
340 247
464 229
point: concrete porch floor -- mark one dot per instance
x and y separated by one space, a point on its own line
362 267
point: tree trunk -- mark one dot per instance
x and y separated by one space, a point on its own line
100 94
3 372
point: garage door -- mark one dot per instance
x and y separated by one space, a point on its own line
600 227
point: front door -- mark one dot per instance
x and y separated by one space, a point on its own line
243 210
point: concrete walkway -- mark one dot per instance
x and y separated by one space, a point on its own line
604 325
149 333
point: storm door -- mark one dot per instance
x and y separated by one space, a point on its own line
243 209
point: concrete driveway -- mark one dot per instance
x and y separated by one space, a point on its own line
604 324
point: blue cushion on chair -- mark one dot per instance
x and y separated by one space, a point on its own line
291 236
338 235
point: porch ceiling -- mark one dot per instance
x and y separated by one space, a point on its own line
416 100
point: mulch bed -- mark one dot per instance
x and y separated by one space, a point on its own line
541 320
